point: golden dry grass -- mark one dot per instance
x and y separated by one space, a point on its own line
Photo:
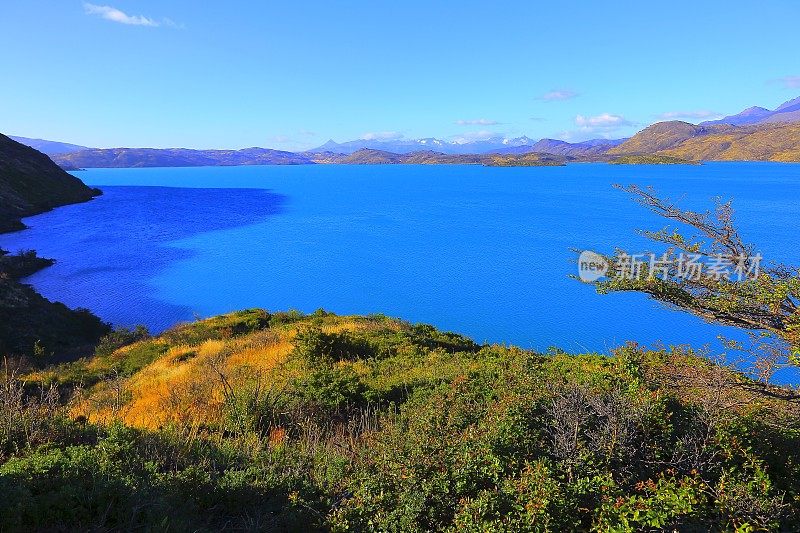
184 387
764 142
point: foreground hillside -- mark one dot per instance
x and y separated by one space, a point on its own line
30 325
282 422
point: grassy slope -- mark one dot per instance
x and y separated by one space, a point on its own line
650 160
524 160
367 423
772 143
767 142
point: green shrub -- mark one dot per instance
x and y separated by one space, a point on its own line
314 346
118 338
331 387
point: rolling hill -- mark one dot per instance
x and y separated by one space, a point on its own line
367 156
585 149
177 157
290 422
755 142
497 144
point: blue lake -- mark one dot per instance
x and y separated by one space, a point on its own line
482 251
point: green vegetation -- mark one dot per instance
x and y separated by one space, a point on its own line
525 160
765 302
320 422
32 326
283 421
650 160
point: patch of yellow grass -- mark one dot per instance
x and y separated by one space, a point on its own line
261 358
184 386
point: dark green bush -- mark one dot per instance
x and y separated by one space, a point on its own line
118 338
315 346
331 387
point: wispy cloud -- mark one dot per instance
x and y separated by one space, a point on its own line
477 122
382 136
537 119
558 95
605 125
788 82
700 114
116 15
604 121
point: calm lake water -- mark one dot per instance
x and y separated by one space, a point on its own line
482 251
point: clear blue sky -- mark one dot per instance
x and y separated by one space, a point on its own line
292 74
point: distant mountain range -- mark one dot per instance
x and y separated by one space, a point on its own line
368 156
757 134
786 112
594 147
494 145
398 152
176 157
406 146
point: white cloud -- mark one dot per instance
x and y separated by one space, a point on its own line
477 122
789 82
382 136
115 15
605 125
701 114
606 120
558 95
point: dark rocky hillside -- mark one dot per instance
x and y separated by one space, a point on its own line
30 183
30 325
